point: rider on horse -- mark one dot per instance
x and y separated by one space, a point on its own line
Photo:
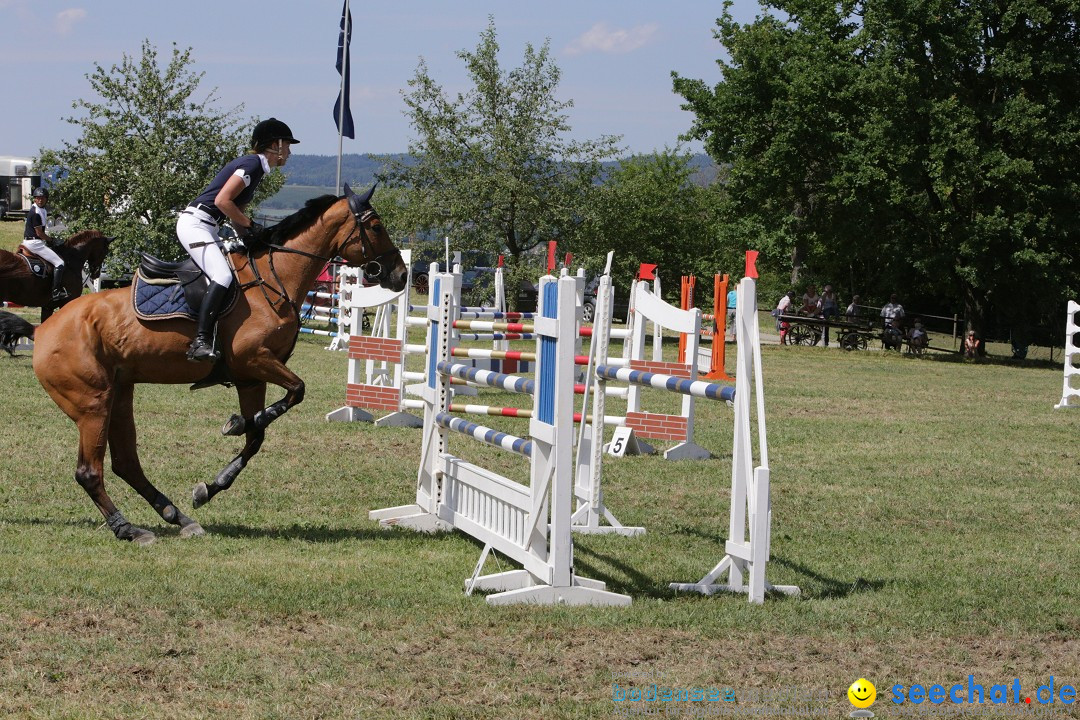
225 198
36 241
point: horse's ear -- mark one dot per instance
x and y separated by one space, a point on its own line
366 199
348 191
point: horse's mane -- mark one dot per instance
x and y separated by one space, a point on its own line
81 237
296 223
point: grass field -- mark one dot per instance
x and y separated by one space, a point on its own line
11 232
927 509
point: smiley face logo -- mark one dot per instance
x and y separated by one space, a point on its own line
862 693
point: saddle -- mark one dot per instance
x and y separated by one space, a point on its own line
38 267
164 290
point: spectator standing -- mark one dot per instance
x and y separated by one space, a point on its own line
730 323
830 308
782 308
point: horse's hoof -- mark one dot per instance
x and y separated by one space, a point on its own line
200 495
192 529
142 537
235 426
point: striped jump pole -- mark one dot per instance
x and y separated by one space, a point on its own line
506 441
697 388
522 413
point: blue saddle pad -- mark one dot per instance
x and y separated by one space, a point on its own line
154 301
36 265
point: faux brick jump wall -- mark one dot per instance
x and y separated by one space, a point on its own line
373 348
658 425
655 425
377 397
675 369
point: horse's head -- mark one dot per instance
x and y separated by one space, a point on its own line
96 257
370 246
93 246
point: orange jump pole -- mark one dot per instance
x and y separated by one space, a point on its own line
716 363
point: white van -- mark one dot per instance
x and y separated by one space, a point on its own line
18 178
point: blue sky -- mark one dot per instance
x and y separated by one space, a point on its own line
276 58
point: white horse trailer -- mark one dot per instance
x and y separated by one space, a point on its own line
17 181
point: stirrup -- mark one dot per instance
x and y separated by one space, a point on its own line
202 351
60 294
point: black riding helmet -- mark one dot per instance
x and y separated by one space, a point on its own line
41 192
270 130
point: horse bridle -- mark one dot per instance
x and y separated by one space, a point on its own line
359 234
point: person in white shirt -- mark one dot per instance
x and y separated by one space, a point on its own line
893 312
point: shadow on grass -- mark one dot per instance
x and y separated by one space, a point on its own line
305 533
589 562
831 588
640 585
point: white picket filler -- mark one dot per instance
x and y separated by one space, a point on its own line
505 515
747 546
1070 395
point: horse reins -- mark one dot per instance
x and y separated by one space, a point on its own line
358 234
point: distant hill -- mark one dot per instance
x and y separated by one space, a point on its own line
307 176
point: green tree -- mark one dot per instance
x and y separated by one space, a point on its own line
492 167
147 147
650 210
923 147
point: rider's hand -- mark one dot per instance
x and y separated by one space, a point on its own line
253 229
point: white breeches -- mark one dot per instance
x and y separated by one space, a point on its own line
197 232
39 248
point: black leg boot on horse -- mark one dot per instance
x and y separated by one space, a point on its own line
202 347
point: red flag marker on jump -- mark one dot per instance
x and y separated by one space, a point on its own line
551 256
751 264
647 271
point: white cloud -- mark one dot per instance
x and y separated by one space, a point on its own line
66 19
601 38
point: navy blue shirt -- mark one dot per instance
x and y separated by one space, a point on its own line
250 167
33 220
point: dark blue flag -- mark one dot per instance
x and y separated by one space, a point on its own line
344 39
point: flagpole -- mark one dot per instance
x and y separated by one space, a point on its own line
344 74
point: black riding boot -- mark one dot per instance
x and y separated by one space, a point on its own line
202 347
59 292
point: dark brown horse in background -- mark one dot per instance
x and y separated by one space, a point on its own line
90 356
20 286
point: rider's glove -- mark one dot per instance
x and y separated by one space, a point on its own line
253 229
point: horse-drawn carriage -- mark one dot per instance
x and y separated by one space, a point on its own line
853 333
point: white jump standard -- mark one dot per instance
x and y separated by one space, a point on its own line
750 519
1070 394
529 524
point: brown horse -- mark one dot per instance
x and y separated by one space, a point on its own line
19 285
90 356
